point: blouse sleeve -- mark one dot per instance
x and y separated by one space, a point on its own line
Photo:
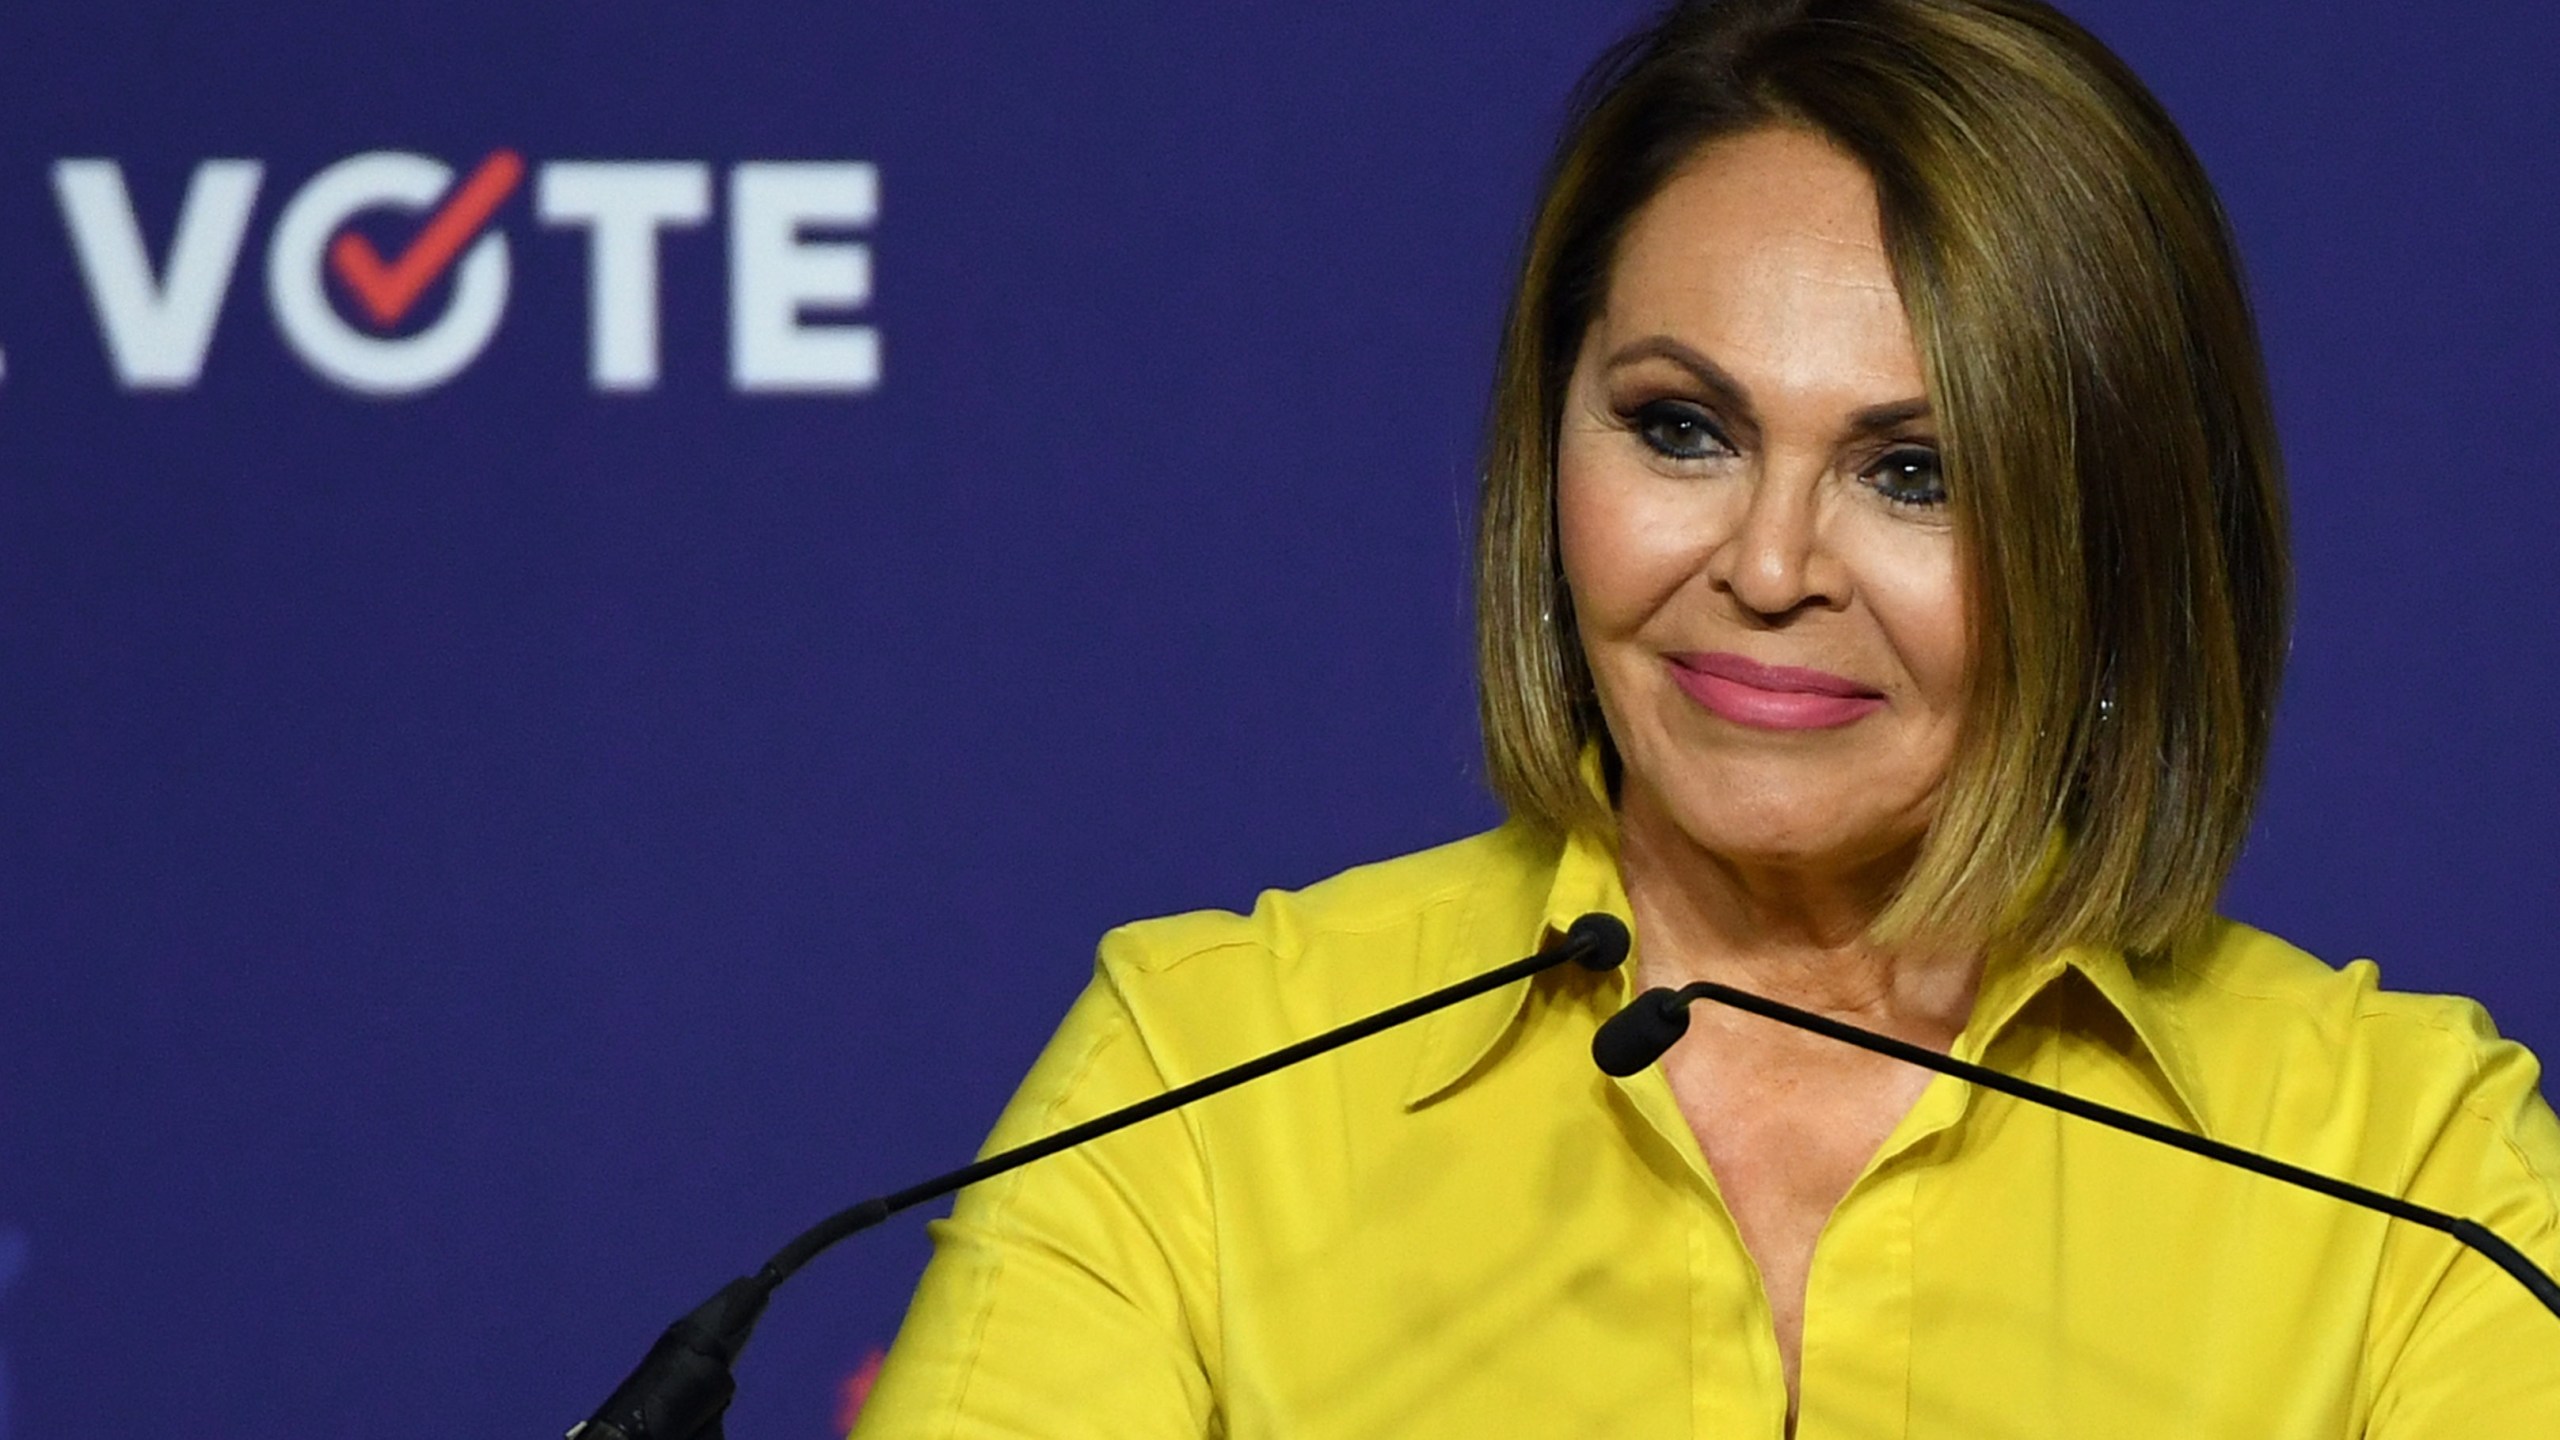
2472 1353
1070 1297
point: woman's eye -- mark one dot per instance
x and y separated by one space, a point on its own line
1909 476
1677 430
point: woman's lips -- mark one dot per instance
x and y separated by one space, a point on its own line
1771 697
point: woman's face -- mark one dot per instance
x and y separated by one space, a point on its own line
1752 521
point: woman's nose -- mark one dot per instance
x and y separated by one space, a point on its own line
1774 562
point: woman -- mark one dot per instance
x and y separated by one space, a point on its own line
1881 597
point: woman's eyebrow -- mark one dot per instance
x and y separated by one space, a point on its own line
1893 415
1731 396
1728 392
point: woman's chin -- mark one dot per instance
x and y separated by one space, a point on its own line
1825 829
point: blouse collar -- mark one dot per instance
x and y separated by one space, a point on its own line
1462 1038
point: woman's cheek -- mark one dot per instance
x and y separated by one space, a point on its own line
1911 583
1627 546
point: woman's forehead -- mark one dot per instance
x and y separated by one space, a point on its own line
1765 254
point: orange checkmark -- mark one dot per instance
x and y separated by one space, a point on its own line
387 290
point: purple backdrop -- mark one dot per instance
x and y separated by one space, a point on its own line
484 864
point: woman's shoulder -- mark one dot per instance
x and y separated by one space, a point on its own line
2290 1051
1485 878
2237 988
1306 959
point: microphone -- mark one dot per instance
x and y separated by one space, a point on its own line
1638 1035
683 1386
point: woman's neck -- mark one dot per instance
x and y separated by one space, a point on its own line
1794 931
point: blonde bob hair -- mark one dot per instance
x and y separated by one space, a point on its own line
2094 370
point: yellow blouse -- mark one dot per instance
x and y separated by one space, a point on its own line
1462 1228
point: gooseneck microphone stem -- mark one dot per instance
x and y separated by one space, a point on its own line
683 1385
871 1212
1638 1035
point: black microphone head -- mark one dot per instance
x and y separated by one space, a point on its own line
1636 1036
1601 940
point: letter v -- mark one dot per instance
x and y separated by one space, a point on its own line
156 329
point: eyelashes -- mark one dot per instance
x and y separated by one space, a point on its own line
1906 475
1676 430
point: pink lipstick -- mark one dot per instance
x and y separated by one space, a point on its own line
1771 697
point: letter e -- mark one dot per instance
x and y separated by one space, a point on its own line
775 272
